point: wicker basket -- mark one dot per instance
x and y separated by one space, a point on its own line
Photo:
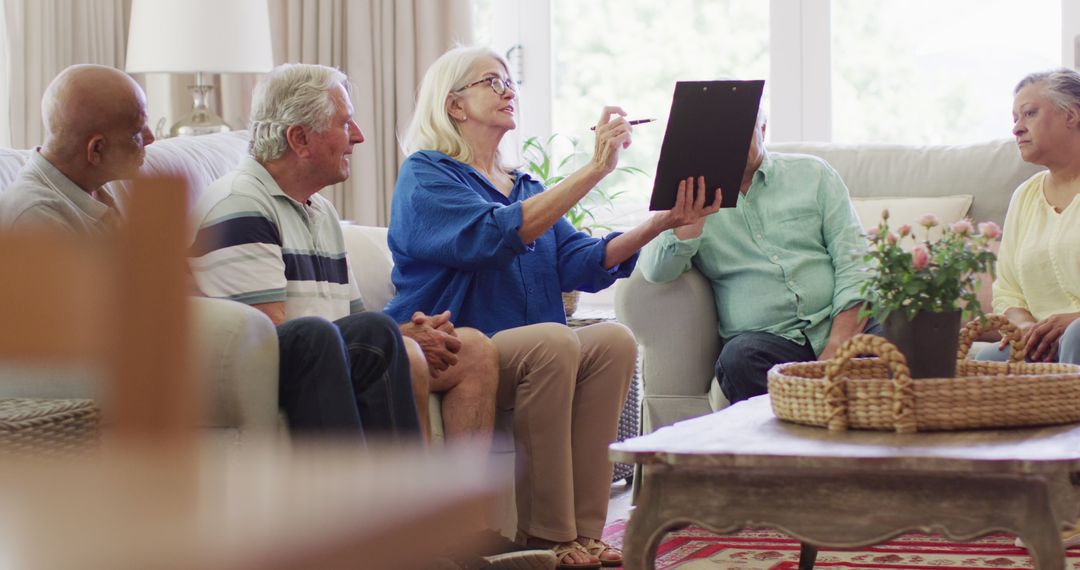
849 392
47 426
570 302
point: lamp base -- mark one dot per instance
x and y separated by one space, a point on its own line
199 123
201 120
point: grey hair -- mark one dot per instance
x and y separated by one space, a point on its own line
1061 85
431 127
291 94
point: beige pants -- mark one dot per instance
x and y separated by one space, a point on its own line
566 388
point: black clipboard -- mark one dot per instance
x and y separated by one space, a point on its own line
708 134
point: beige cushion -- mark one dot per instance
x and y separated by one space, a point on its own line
989 171
369 256
11 161
198 160
902 211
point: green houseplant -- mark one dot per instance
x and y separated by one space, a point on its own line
916 287
544 163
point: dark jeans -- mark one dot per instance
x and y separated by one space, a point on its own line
745 360
349 377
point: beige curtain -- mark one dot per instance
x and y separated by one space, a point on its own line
384 46
45 36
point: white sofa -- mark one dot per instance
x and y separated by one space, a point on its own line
236 343
675 322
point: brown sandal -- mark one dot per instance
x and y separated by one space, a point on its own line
599 548
562 550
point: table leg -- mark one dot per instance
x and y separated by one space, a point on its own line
1042 533
649 522
807 556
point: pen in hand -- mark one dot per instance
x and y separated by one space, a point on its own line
634 122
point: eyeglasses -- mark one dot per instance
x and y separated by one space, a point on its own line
498 84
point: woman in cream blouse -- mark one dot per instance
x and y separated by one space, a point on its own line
1038 280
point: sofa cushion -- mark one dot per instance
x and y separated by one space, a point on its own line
198 160
11 161
989 171
371 262
904 210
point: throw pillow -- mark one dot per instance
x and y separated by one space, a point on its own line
908 210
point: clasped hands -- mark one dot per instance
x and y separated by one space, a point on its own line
1041 337
435 335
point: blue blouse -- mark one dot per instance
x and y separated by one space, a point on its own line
455 243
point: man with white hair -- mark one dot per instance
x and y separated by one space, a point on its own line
268 239
785 276
96 132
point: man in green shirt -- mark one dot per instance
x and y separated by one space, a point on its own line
784 264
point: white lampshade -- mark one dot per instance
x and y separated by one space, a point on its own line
191 36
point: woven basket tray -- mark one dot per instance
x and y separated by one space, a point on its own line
47 426
879 394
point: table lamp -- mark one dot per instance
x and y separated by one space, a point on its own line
199 36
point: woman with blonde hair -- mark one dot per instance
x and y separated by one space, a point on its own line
488 243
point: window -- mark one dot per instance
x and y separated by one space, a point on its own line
482 22
852 71
5 86
630 53
933 72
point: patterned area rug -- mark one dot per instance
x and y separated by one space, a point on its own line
693 548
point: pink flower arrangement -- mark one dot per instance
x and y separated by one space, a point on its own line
920 257
935 276
962 227
990 230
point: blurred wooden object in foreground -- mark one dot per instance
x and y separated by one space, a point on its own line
260 507
156 495
115 307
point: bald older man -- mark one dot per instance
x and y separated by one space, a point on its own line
96 132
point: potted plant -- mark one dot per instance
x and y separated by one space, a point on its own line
916 292
542 162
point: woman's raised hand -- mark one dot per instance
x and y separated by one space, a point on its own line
612 135
688 214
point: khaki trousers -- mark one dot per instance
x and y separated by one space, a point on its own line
567 389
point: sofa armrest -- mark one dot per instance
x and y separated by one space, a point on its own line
675 323
237 347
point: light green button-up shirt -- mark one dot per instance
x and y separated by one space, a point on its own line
785 260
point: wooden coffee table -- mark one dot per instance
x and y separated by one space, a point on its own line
743 467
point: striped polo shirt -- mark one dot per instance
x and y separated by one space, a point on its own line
255 244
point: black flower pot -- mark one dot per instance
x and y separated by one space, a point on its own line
929 341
